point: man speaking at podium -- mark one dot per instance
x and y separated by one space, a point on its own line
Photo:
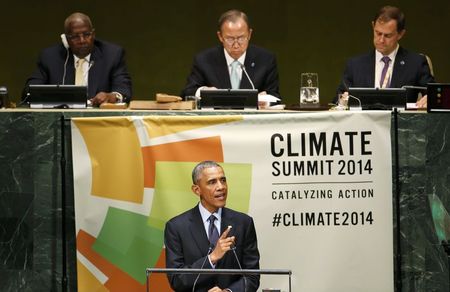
82 60
193 240
235 64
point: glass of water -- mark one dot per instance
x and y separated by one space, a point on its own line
309 88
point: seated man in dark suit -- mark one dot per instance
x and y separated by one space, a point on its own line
389 65
223 66
83 60
192 238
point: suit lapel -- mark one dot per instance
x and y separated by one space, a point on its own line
371 72
197 229
223 75
70 70
250 66
399 68
94 71
226 221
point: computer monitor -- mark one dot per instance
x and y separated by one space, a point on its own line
438 95
377 98
57 96
229 99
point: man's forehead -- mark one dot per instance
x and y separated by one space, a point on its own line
78 23
383 25
240 23
212 172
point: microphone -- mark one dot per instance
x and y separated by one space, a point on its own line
248 77
359 101
346 88
211 247
91 63
240 267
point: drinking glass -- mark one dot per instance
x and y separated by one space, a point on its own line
309 88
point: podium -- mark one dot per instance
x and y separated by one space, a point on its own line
242 272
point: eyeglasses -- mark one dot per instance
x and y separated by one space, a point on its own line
78 36
240 40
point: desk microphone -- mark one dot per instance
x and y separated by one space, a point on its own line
346 88
359 101
248 77
91 63
233 248
211 247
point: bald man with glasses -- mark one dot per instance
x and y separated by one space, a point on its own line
222 66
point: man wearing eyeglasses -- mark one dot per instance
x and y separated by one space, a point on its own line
223 66
83 60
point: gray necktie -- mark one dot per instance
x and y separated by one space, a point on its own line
234 76
213 234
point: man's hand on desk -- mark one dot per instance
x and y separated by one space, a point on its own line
102 97
422 103
197 92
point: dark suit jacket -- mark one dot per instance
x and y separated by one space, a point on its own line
187 246
108 72
210 69
409 69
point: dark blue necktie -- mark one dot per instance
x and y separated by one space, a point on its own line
213 234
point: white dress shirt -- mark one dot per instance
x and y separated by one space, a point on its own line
379 64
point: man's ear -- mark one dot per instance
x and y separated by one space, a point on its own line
250 33
219 35
195 189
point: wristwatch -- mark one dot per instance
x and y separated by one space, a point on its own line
118 96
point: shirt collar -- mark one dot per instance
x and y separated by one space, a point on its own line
205 213
392 55
87 58
231 60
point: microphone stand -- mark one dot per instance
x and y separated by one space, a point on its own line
240 267
248 77
203 264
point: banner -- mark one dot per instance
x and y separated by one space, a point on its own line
318 185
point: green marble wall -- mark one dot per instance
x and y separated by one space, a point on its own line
424 263
30 200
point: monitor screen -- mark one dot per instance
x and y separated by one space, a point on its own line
377 98
229 99
438 97
57 96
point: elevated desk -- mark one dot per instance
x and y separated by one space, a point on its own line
30 193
